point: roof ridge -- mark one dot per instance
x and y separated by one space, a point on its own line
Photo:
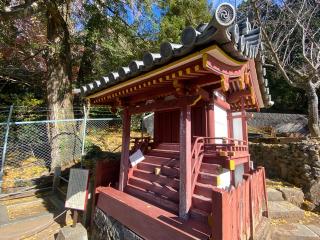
239 40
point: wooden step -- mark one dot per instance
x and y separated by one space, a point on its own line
161 179
147 220
152 198
169 146
164 153
165 170
211 168
202 203
207 178
171 162
203 189
199 215
163 191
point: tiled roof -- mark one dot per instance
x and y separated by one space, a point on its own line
238 39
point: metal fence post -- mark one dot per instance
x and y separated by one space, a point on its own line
85 118
4 151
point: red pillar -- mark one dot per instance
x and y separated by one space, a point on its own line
185 194
124 164
230 124
210 121
244 122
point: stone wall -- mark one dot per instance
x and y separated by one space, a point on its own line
295 162
107 228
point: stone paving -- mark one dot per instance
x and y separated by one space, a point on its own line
288 220
31 218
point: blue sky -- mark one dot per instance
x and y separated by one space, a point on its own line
157 12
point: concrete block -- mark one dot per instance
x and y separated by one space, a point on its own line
4 219
73 233
274 195
294 232
285 210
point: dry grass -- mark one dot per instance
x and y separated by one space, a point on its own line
18 176
110 142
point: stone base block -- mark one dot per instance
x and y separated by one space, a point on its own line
107 228
294 232
285 210
73 233
274 195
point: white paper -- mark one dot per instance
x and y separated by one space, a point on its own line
136 157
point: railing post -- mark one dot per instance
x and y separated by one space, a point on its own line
264 189
247 177
4 151
221 222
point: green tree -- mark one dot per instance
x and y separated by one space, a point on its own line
54 44
178 14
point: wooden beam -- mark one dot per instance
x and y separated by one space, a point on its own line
162 104
124 164
185 190
150 94
215 66
236 96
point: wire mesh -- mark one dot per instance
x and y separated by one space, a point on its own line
36 146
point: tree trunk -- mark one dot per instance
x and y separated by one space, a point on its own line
59 88
313 118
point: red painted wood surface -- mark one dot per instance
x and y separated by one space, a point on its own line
185 190
166 124
124 164
146 220
239 211
106 174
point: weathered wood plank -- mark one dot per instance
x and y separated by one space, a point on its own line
124 164
185 192
146 220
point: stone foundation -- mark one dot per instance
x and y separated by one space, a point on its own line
295 162
107 228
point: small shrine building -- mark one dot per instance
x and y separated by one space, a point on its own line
197 167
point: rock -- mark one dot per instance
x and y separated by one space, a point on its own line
284 210
314 193
294 232
293 195
106 227
274 195
73 233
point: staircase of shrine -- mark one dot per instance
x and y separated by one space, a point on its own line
156 179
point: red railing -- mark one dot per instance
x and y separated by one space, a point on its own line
237 212
196 159
227 145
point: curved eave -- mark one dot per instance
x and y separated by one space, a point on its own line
214 51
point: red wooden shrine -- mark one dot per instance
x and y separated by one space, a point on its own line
196 180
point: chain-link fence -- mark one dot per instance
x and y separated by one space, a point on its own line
29 150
